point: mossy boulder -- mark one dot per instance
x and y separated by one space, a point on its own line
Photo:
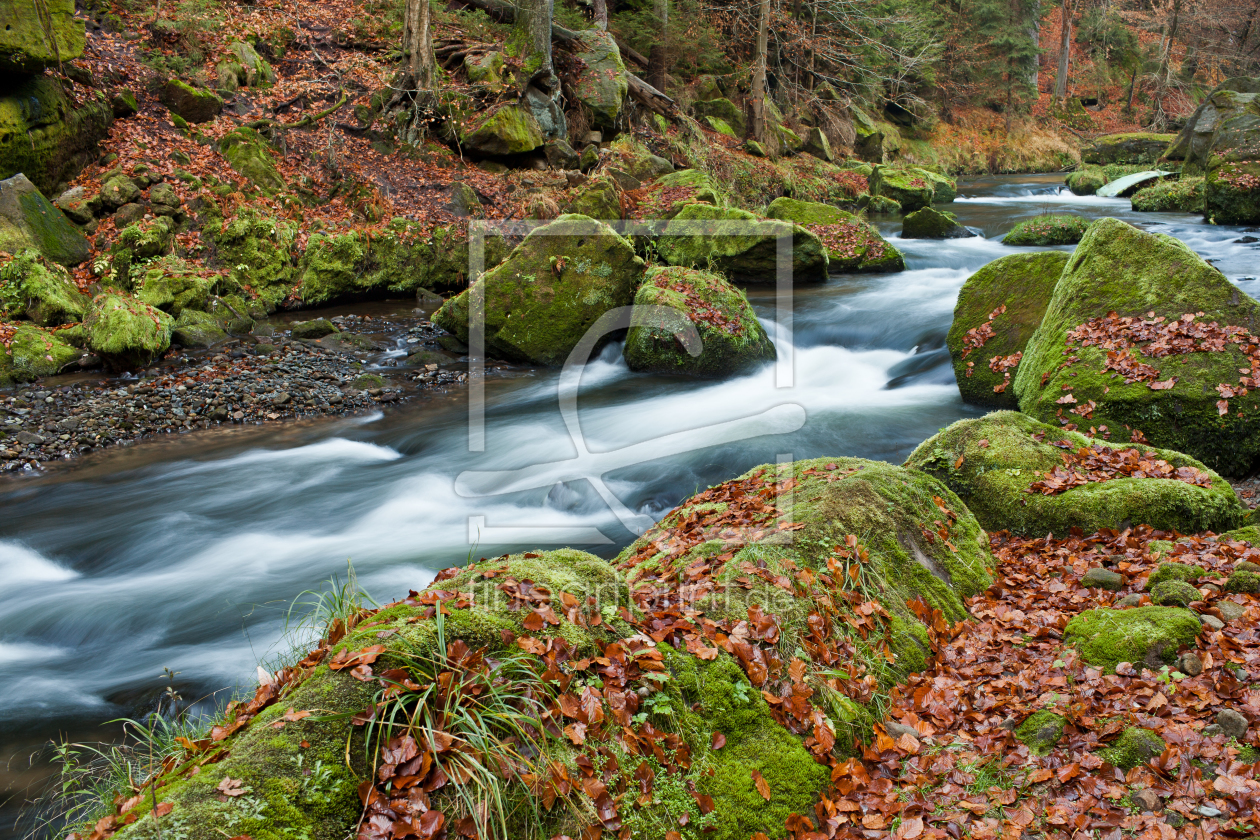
930 223
316 328
1118 268
1044 231
1185 195
28 220
876 141
1086 181
1131 147
911 188
250 155
601 84
674 191
46 134
552 288
1041 730
486 70
1143 636
598 200
1023 284
1173 572
258 249
740 244
125 332
1225 126
1244 581
694 323
254 71
722 109
118 190
506 129
992 463
43 292
197 329
852 244
195 105
174 285
38 34
35 352
882 205
135 245
1135 747
331 267
944 188
1231 193
1174 593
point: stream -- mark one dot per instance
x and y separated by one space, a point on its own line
185 554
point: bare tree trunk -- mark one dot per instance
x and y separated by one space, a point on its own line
1128 107
1065 52
658 58
418 41
601 14
537 16
758 95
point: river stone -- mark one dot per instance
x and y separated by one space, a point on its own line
550 291
1190 664
25 26
317 328
852 244
195 105
991 463
126 333
910 188
708 327
36 352
741 245
930 223
601 85
1185 195
1086 181
28 220
1048 230
1145 635
1118 268
1133 148
1023 284
1230 611
1232 723
1103 579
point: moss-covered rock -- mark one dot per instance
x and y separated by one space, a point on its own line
1020 286
1173 571
695 323
258 250
991 463
1086 181
195 105
876 141
1174 593
1245 581
882 205
173 285
674 191
197 329
35 352
1052 229
1131 147
911 188
118 190
852 244
254 71
722 109
30 221
1184 195
930 223
1135 747
1041 730
740 244
1224 126
41 291
507 129
44 133
316 328
38 35
486 69
250 155
1231 194
1118 268
553 287
601 85
598 200
126 333
1144 635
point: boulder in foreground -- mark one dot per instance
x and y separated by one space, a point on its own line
1149 636
125 332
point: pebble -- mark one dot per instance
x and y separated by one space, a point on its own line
1232 723
1230 611
1212 622
1103 579
1131 600
1146 799
1190 664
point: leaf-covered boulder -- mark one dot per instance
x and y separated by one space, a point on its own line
930 223
1231 191
1051 229
598 200
601 83
695 323
1185 195
551 289
852 244
1132 147
35 352
40 291
1144 636
672 192
1086 181
1123 345
28 220
1033 479
740 244
126 333
911 188
998 310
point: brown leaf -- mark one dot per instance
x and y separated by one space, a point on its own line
763 787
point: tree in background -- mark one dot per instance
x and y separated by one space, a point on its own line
1065 51
757 99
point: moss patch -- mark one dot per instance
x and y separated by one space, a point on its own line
39 290
1041 731
125 332
1053 229
1136 746
1148 635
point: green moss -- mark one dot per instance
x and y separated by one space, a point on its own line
1174 593
173 285
37 37
330 267
506 129
1118 268
1184 195
1108 637
44 134
930 223
723 109
731 339
1136 746
991 462
197 329
1173 571
39 290
35 353
721 239
249 154
126 332
858 245
599 200
912 189
1052 229
1086 181
550 291
1128 148
602 85
1231 195
1243 581
258 250
1041 730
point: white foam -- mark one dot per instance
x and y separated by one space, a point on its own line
20 565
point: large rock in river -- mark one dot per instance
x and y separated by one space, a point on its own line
540 302
1222 140
126 333
30 221
1134 148
1050 229
852 243
742 245
695 323
913 189
930 223
1143 337
1033 479
998 310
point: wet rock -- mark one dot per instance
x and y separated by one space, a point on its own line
741 245
30 221
1190 664
29 439
1146 799
1086 181
1232 723
930 223
851 243
1103 579
317 328
125 332
1048 230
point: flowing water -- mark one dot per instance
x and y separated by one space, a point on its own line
184 554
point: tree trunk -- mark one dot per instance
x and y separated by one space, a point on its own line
536 18
658 58
1128 107
418 41
601 14
757 98
1065 53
